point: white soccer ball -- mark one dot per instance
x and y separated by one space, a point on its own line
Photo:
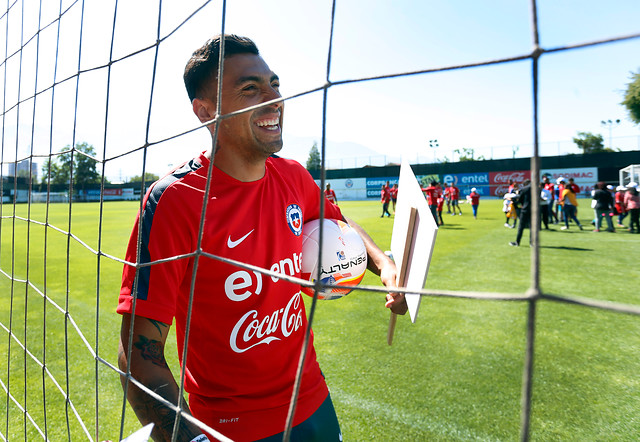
344 257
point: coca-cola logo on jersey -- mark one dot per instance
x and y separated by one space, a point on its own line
263 326
253 329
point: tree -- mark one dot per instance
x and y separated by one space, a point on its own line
590 143
467 154
632 98
79 161
148 178
314 162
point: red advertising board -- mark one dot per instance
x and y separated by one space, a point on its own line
113 192
499 181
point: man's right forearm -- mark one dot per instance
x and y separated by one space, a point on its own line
148 409
147 364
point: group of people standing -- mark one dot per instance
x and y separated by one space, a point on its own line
607 203
437 197
559 204
388 194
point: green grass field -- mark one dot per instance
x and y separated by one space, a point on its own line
456 374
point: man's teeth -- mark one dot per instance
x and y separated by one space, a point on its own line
263 123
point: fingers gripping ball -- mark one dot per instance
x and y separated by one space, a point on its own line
344 257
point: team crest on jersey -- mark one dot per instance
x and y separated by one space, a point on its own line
294 219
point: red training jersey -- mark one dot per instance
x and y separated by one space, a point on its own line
475 198
331 195
431 193
247 328
385 195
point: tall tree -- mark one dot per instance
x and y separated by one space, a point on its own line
314 162
590 143
79 161
632 98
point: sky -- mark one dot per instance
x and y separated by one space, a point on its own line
487 109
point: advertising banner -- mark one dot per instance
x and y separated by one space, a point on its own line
425 180
584 177
499 181
466 181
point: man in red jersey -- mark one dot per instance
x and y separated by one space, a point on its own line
454 193
330 194
431 193
393 192
244 330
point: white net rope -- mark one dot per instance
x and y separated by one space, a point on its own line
75 337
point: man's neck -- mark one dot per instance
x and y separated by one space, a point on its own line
238 167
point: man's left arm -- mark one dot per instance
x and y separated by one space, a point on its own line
383 266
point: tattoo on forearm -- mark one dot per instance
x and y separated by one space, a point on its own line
158 324
151 350
149 409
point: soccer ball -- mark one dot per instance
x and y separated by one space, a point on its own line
344 257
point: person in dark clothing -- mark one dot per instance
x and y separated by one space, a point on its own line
524 217
603 207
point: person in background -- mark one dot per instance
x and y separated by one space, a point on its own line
440 202
603 206
551 188
632 205
545 204
394 196
569 206
524 218
431 194
454 193
558 195
474 200
509 209
385 198
447 197
330 194
574 187
619 205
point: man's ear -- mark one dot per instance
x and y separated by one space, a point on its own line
204 109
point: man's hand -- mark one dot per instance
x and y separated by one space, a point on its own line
382 265
389 275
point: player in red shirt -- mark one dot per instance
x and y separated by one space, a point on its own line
440 201
454 192
330 194
431 193
393 192
245 328
474 199
385 198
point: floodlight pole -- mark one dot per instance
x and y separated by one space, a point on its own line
611 124
434 145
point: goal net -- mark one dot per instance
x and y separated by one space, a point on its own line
92 92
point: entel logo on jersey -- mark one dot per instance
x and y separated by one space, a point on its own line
294 219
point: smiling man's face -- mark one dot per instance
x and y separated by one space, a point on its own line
248 81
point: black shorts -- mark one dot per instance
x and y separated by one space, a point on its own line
321 426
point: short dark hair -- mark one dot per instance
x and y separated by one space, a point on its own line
202 68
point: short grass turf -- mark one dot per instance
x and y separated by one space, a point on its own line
456 374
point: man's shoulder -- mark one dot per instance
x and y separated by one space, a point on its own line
185 173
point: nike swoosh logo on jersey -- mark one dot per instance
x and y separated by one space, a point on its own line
231 244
